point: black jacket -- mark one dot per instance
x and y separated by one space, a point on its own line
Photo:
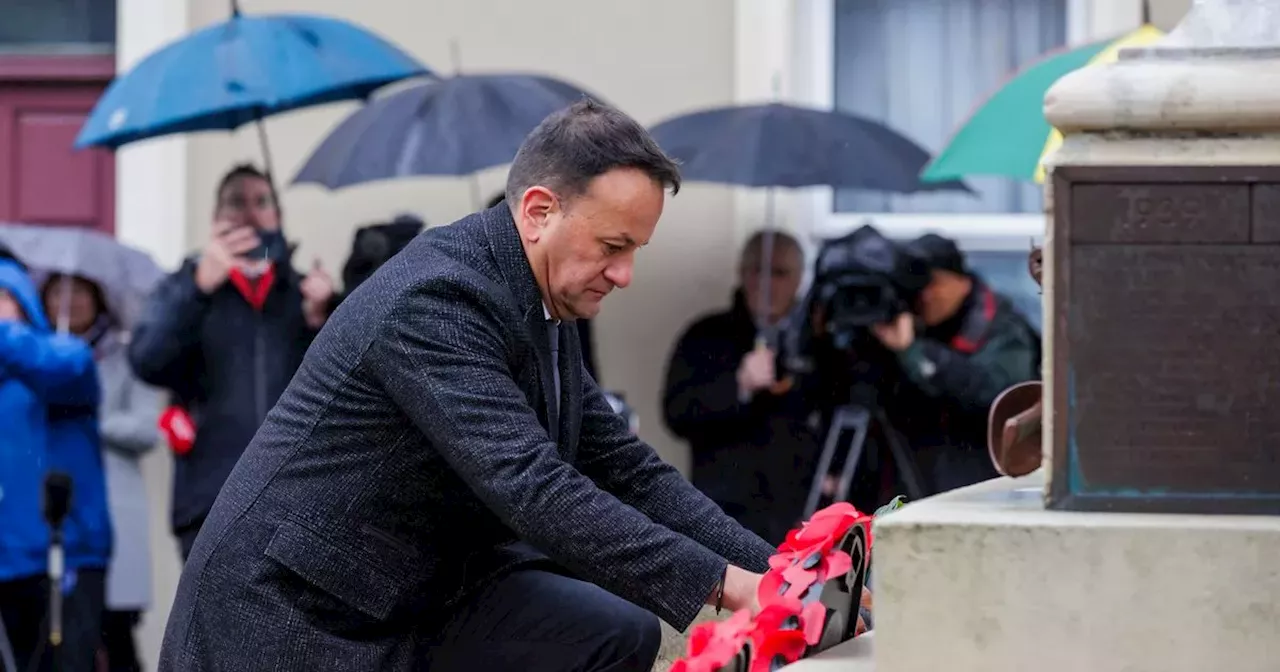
409 463
226 363
755 455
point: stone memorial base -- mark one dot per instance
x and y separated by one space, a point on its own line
984 579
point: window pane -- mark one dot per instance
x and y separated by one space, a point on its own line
1006 272
31 23
922 66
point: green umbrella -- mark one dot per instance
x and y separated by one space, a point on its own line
1008 135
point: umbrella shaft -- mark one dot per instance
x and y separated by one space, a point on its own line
763 321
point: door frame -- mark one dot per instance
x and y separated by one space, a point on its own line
53 70
40 68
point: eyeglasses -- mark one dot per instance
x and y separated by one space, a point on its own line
241 202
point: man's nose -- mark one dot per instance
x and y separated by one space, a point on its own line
619 273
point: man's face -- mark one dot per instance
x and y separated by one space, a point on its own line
588 244
941 297
10 309
786 272
247 201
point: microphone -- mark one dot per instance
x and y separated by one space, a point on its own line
57 498
57 504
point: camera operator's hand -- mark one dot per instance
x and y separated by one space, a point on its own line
897 335
756 372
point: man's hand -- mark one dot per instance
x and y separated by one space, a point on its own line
317 291
741 590
756 372
864 603
897 335
222 254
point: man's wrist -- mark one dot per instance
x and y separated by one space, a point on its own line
739 588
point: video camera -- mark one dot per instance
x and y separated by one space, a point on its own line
860 280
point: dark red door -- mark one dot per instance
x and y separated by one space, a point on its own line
43 180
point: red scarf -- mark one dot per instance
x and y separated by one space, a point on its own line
254 290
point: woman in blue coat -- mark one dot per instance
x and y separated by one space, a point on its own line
48 410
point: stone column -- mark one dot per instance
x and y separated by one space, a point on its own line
1169 153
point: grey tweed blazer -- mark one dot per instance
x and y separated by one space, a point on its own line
409 463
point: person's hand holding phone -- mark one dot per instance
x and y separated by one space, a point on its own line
226 249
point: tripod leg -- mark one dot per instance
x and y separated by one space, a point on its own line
859 420
824 462
908 470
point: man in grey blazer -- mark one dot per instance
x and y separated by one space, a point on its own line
442 486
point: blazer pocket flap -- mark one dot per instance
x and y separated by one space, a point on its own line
333 569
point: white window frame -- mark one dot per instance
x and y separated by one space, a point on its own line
813 77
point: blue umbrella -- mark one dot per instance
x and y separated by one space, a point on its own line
454 126
243 70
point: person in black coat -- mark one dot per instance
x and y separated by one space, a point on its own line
750 429
225 334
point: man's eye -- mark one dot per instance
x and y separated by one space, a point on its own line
612 249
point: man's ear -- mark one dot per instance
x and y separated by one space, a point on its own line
536 206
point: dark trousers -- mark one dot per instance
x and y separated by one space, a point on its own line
118 641
24 607
539 621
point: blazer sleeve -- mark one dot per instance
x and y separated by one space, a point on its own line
629 468
442 356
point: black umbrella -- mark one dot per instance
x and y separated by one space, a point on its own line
777 145
454 126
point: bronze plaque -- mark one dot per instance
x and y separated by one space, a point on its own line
1167 340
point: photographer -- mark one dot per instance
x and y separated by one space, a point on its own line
964 345
729 397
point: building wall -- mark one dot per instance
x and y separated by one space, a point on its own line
652 59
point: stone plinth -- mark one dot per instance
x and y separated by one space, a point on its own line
984 579
1207 96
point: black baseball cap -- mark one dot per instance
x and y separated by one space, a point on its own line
938 253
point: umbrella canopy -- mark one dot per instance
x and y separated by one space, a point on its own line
454 126
778 145
125 275
1008 135
243 70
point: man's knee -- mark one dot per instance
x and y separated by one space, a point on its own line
631 639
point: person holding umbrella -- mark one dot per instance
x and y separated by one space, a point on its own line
748 427
48 397
225 334
128 415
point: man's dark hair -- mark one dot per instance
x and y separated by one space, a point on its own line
581 142
238 171
497 198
